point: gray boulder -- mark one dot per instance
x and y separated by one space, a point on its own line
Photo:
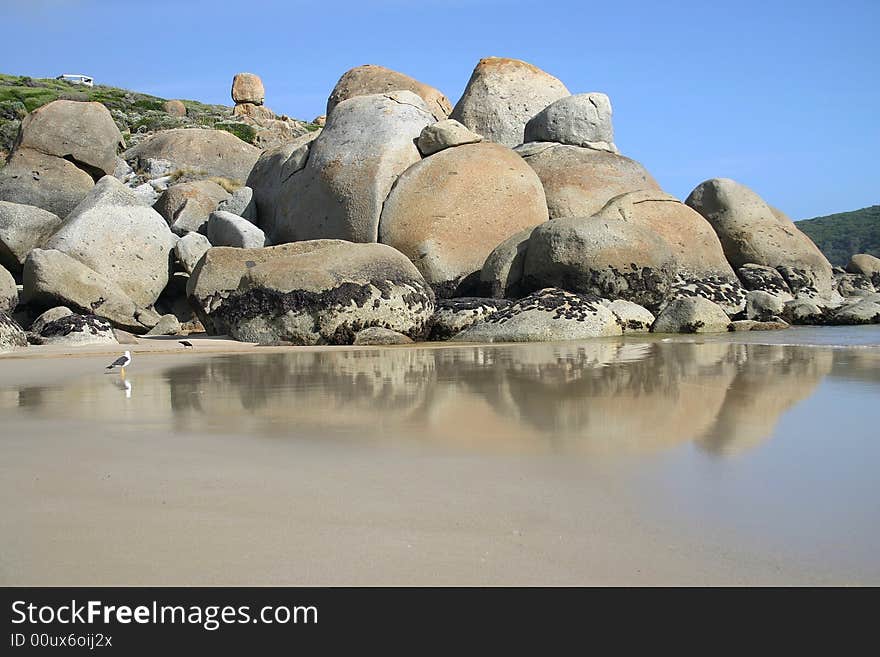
268 179
44 181
455 315
752 232
761 306
82 133
189 250
367 143
8 292
691 315
741 325
22 228
866 265
241 203
187 206
503 95
12 335
580 120
502 273
448 212
632 317
445 134
53 278
377 335
49 316
854 285
167 325
578 182
73 330
864 311
803 311
202 151
313 292
545 316
113 233
227 229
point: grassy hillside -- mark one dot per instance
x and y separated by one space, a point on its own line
136 114
846 233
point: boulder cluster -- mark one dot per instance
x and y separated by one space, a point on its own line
511 216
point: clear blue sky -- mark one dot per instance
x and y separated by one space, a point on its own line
782 96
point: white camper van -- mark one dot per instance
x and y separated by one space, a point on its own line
77 79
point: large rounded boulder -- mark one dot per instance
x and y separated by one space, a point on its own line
449 211
113 233
371 79
82 133
367 143
313 292
503 95
578 181
752 232
208 152
644 247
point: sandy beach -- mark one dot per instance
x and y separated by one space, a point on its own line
691 461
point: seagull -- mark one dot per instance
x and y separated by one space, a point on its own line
122 362
186 344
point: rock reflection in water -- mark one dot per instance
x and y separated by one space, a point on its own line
595 398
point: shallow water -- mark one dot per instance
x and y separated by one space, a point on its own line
719 459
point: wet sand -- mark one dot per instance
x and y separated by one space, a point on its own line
698 460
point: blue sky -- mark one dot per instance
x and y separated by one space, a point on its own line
781 96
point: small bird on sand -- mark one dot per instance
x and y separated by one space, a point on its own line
122 362
186 344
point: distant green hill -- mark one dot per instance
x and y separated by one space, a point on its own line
841 235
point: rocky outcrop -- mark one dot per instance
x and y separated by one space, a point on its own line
187 206
751 232
644 247
350 168
81 133
73 329
206 152
578 182
854 285
113 233
314 292
581 120
52 278
445 134
862 311
49 316
44 181
545 316
227 229
455 315
691 315
8 292
22 228
448 212
866 265
503 95
371 79
12 336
